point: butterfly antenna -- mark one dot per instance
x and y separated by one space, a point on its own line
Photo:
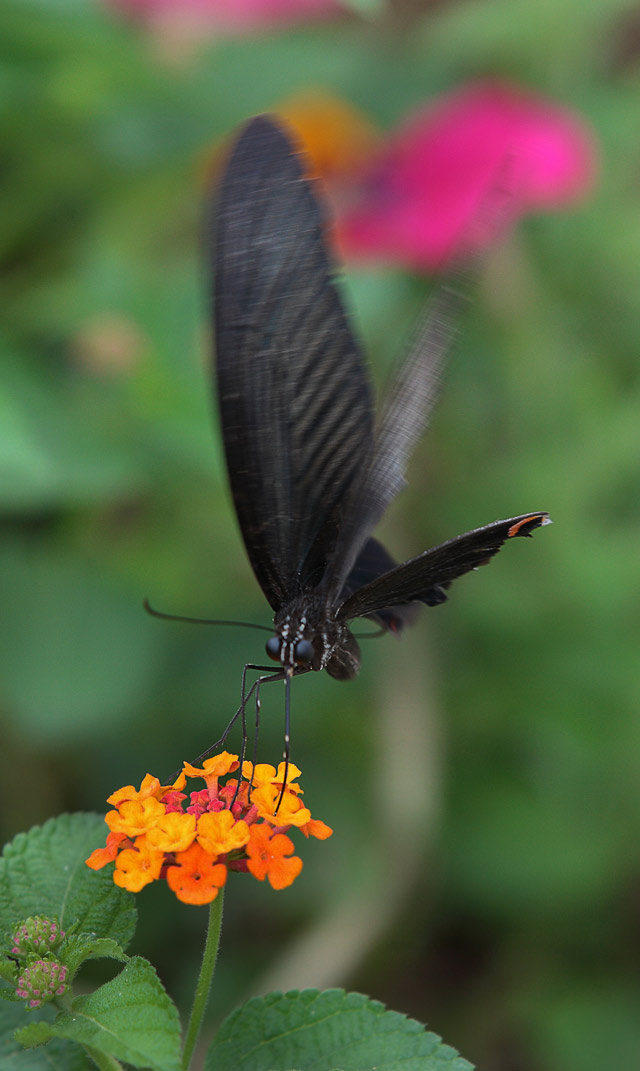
200 620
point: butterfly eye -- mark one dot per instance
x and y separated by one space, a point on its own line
303 651
272 648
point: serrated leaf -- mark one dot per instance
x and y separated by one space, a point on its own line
82 946
131 1018
8 991
312 1031
59 1055
43 872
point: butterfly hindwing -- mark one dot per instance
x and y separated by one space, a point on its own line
372 562
424 578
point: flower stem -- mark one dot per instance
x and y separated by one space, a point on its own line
205 978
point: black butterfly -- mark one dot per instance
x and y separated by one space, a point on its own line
311 471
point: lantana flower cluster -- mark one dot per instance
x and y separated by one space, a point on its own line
192 839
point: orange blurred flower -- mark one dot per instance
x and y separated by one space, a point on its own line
338 138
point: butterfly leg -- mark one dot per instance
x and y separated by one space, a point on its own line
245 696
287 735
256 729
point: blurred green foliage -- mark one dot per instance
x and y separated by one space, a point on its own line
498 861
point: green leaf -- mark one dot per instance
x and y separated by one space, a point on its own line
315 1031
59 1055
10 995
131 1018
43 872
8 971
82 946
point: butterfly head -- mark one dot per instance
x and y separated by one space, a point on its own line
307 636
298 642
297 653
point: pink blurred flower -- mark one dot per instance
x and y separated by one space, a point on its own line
229 15
434 181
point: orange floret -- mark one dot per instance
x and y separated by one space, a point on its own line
216 766
149 787
135 816
265 774
137 867
196 878
219 832
177 785
270 857
173 832
101 856
316 828
291 811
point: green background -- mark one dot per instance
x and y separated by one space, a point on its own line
483 774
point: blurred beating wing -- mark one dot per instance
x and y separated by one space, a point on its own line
295 402
415 386
406 411
424 578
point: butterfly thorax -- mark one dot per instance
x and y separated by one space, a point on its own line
311 637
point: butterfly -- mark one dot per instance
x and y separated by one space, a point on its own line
310 467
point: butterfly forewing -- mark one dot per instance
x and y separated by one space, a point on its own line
423 578
294 398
